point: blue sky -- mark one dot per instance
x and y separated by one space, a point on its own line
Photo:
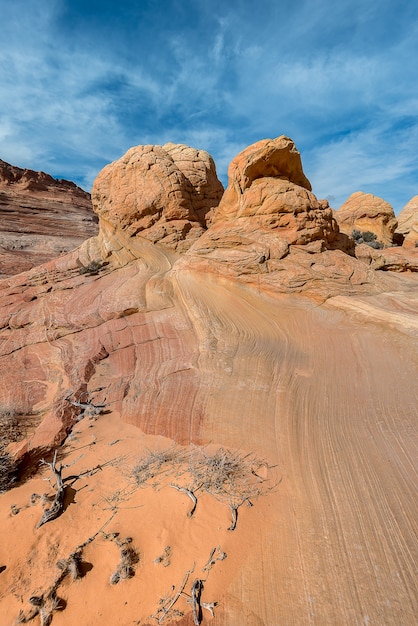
81 81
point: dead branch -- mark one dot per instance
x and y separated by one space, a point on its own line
165 609
234 513
56 508
90 410
212 558
191 496
209 606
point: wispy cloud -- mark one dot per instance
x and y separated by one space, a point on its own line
80 82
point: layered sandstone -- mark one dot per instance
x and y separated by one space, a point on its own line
366 212
408 223
205 350
396 259
40 218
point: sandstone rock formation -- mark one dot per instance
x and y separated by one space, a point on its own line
366 212
193 353
396 259
271 230
408 223
162 193
40 218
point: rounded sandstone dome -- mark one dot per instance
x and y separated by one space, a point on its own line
408 222
366 212
160 192
268 190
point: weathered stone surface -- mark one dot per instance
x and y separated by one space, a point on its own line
366 212
40 218
325 392
162 193
408 223
396 259
271 230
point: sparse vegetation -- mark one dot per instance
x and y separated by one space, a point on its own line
128 559
229 476
366 237
164 558
11 430
92 268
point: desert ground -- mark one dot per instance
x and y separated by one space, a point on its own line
326 396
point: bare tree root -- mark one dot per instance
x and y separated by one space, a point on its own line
48 602
57 507
90 410
234 514
196 593
195 599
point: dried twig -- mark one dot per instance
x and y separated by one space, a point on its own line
191 495
165 609
212 558
234 513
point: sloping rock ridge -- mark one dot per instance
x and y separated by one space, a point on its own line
40 218
236 338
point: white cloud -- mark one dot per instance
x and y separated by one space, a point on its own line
340 80
373 160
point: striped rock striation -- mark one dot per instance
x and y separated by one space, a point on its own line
260 336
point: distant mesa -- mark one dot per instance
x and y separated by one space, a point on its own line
31 180
40 218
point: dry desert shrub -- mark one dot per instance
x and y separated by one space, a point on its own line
11 430
227 475
129 557
157 464
230 476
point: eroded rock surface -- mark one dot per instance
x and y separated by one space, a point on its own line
408 223
395 259
215 347
40 218
271 230
366 212
162 193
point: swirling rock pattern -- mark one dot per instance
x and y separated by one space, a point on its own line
312 367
